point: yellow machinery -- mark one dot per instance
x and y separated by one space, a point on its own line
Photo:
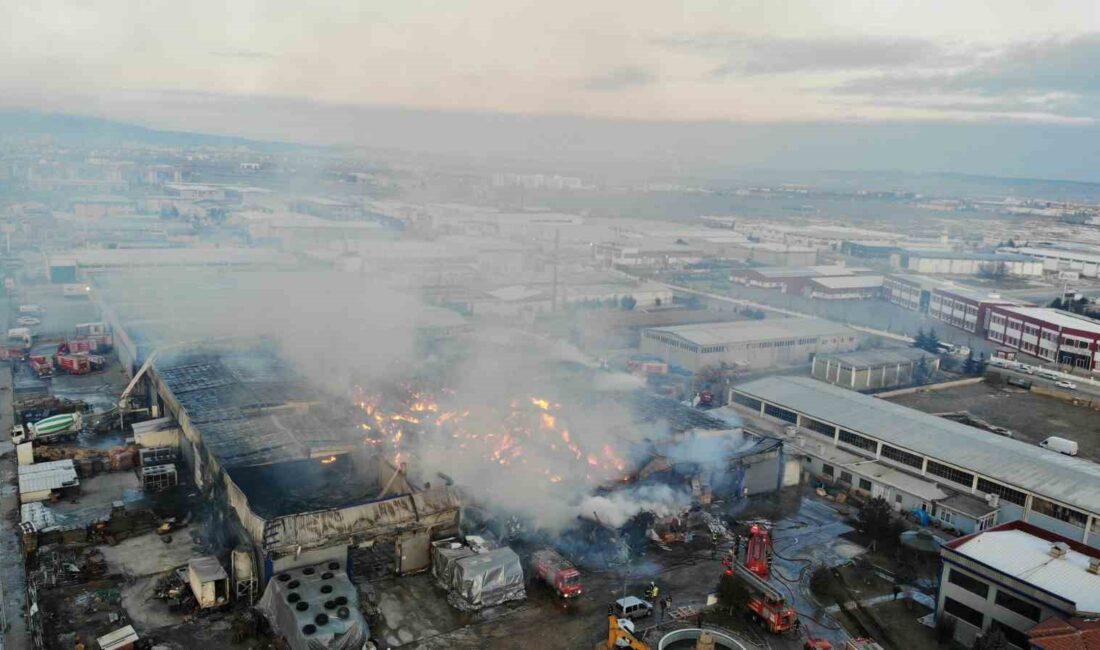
620 634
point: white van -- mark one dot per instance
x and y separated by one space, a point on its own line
1060 445
1047 374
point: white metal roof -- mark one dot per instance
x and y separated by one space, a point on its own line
47 476
873 358
895 478
754 330
120 638
1027 558
1072 481
1058 253
850 282
1056 317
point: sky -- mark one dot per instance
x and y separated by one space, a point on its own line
215 65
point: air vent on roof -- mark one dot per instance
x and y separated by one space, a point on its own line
1094 566
1059 549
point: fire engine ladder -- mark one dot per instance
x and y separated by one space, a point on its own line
759 584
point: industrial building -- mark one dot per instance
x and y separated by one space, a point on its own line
756 344
957 305
773 254
1059 259
955 263
1014 577
795 279
962 308
858 287
1024 482
872 369
1049 334
71 266
290 467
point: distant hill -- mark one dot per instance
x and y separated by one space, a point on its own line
77 129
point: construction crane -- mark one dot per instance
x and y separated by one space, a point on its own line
620 634
766 604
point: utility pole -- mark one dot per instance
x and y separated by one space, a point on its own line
554 291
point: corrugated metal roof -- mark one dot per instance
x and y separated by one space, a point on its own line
1027 558
852 282
765 330
47 476
1072 481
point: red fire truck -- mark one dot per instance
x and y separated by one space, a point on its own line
557 572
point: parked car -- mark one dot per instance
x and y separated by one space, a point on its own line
1060 445
27 321
31 309
1066 384
632 607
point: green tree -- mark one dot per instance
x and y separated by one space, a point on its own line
921 339
933 341
732 593
921 371
876 520
971 366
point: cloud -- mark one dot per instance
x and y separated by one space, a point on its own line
243 54
619 78
740 54
1051 75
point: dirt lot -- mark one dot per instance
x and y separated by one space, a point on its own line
1031 417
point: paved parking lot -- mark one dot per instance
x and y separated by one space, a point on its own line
1031 417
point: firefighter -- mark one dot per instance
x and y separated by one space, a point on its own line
651 592
713 544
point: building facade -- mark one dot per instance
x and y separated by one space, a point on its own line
952 263
965 310
756 344
872 369
1050 334
1013 577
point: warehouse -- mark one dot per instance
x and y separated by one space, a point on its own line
773 254
858 287
1057 259
290 466
1015 576
873 369
1049 334
953 263
756 344
1055 492
793 279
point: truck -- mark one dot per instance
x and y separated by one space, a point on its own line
558 572
1060 445
766 604
56 428
41 365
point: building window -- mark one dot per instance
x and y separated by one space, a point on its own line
846 477
745 400
819 427
950 473
827 470
897 498
1068 515
780 413
968 582
1006 493
857 440
1017 605
1012 635
903 457
963 612
864 484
